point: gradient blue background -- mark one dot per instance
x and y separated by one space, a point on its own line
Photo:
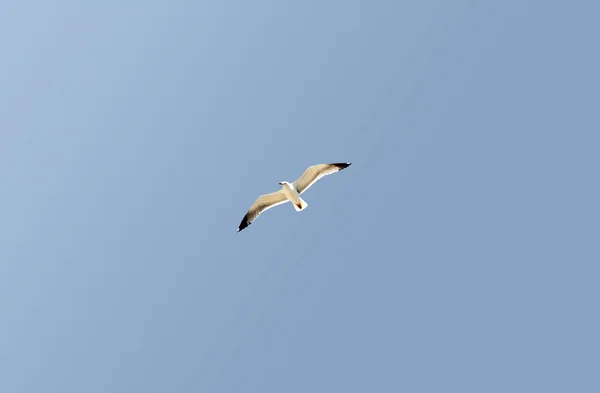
459 253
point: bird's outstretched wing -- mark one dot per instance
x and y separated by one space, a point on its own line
264 202
315 172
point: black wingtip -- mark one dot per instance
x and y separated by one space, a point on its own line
244 224
342 165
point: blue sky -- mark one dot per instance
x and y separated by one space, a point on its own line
458 253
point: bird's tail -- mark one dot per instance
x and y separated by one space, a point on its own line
301 206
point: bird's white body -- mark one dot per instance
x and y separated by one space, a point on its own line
293 196
290 191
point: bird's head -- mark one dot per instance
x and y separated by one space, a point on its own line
283 183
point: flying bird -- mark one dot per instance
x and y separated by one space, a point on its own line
290 192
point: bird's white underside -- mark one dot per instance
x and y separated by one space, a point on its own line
290 192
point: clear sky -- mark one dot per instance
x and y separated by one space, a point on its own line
459 253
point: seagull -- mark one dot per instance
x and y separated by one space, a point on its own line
290 192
